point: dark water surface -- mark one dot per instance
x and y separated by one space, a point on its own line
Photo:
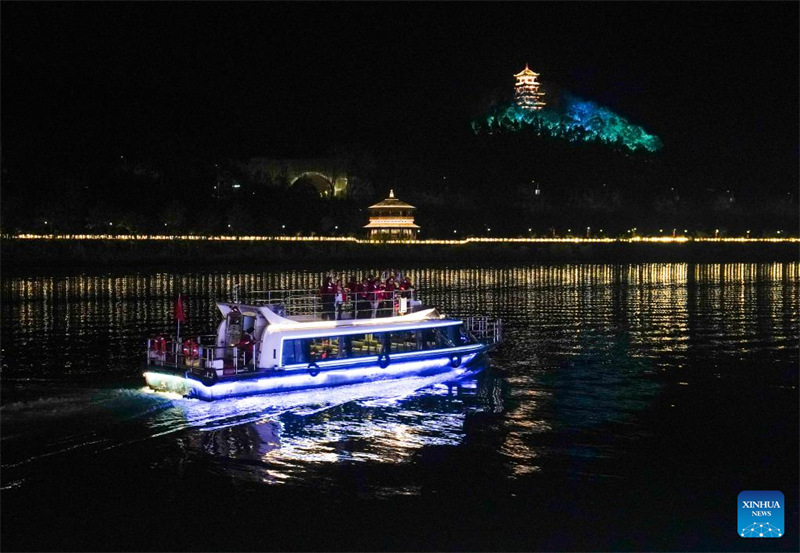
627 408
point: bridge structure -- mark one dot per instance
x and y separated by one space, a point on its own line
328 176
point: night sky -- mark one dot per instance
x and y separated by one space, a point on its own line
718 83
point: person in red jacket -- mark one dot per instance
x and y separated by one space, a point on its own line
389 296
363 295
339 297
379 299
327 293
351 288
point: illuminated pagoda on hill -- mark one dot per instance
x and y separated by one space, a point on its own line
526 93
392 219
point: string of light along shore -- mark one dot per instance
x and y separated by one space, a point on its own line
350 239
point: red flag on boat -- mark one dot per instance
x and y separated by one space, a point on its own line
180 315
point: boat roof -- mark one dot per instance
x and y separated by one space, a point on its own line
387 325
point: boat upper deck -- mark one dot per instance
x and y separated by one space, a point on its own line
287 307
426 318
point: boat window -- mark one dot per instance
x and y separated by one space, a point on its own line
461 336
435 338
321 349
295 351
403 341
234 334
248 324
362 345
452 336
307 350
428 339
449 336
345 347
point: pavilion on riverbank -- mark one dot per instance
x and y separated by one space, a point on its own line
392 219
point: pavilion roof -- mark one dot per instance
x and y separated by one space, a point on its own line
391 201
391 224
526 72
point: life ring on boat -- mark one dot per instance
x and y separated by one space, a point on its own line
158 344
190 349
384 360
313 369
209 377
455 360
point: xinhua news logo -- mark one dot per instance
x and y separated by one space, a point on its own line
760 514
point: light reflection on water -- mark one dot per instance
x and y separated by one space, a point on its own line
95 323
588 348
386 423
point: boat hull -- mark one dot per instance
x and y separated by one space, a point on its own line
299 378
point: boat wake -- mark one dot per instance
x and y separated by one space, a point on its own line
89 422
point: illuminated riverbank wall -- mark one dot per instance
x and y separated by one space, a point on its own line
79 250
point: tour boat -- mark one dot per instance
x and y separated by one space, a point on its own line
286 342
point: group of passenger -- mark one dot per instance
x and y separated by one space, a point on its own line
372 297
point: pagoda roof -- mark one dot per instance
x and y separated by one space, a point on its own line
391 201
526 72
391 224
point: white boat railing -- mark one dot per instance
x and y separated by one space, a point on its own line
484 328
314 305
197 354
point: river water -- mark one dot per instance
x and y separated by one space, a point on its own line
626 409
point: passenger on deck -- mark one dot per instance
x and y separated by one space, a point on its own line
327 294
407 288
363 299
379 298
339 298
351 289
389 297
246 344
